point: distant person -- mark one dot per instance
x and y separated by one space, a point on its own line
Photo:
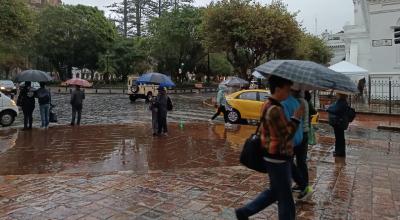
276 137
339 121
162 105
77 97
26 100
44 98
221 103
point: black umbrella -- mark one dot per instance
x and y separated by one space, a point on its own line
33 76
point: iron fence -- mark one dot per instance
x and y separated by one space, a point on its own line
379 96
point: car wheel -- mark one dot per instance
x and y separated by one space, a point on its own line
7 118
233 116
149 96
132 98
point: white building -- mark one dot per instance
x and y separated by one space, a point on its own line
369 42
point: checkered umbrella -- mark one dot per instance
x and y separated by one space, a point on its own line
308 74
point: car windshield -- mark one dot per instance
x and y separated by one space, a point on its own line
6 83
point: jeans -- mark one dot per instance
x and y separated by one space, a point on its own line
340 143
221 109
300 169
44 114
280 190
28 117
76 110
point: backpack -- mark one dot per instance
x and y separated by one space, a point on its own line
44 98
169 104
351 114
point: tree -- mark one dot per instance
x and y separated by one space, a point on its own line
73 36
127 56
250 33
16 29
313 48
175 40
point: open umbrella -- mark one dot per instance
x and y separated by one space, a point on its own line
234 81
33 76
78 82
155 78
257 75
309 75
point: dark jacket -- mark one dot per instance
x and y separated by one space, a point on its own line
338 114
44 96
161 103
26 99
77 97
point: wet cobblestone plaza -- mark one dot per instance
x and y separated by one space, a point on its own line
112 168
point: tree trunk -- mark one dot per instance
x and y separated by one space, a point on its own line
138 18
125 18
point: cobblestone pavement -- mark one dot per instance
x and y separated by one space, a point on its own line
121 172
116 108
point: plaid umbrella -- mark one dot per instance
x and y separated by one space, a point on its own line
308 75
156 78
234 81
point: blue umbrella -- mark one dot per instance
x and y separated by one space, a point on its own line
155 78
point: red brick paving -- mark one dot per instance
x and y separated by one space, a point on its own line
120 172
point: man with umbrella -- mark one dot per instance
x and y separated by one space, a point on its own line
77 97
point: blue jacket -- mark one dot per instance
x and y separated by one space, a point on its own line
338 114
290 105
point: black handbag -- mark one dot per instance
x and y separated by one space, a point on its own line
252 153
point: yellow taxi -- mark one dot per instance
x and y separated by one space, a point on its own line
245 104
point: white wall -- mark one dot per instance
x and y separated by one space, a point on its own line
383 18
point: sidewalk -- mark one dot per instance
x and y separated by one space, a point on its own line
372 121
121 172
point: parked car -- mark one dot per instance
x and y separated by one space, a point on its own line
246 104
35 85
7 87
142 91
8 110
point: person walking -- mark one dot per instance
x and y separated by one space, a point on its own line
162 108
44 98
77 97
276 137
338 119
26 100
221 103
300 142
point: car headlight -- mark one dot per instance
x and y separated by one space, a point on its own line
13 103
2 88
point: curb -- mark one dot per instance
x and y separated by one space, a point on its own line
388 128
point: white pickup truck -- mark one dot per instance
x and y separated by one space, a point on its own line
141 91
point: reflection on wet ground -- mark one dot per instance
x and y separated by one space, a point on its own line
122 172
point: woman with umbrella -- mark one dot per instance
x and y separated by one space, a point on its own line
26 100
221 102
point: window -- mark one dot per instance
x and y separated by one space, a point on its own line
248 96
264 96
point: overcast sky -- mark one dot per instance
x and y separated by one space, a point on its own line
323 14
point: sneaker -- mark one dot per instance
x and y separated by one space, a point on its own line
210 121
305 194
240 215
296 188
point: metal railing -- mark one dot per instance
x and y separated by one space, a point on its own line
380 96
